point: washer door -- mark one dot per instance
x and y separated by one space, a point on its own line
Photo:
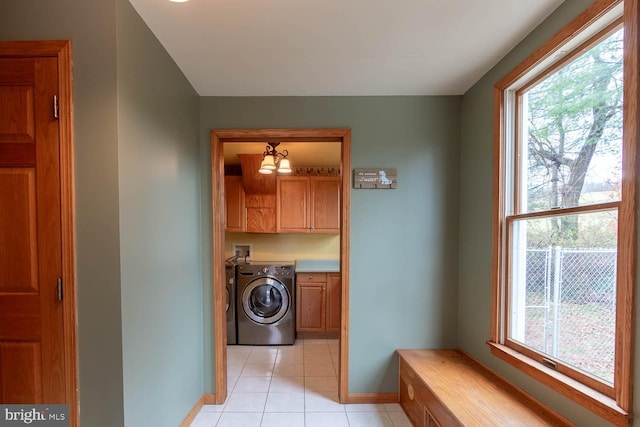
227 300
265 300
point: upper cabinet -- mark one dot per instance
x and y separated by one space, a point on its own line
308 204
234 207
252 213
261 213
325 204
293 203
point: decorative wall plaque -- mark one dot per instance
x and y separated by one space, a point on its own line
375 178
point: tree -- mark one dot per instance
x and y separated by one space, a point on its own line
572 115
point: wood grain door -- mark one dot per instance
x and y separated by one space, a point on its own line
234 204
32 353
334 300
260 213
293 204
310 307
325 204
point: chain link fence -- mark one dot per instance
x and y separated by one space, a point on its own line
570 306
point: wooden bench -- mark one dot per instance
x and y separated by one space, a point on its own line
442 388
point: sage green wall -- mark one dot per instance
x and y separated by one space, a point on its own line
474 288
158 163
403 242
129 96
91 26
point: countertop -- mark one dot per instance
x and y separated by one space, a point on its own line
317 266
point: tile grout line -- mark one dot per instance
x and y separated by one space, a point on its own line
279 353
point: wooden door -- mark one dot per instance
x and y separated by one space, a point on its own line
234 204
293 204
325 202
261 213
32 351
310 307
334 299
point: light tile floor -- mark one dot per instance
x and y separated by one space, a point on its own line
291 386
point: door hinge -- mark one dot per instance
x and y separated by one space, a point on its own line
55 107
59 288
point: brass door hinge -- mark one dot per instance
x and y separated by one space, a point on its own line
56 107
59 290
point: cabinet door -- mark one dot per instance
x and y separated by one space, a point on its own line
310 307
261 220
334 299
293 204
234 204
261 213
325 202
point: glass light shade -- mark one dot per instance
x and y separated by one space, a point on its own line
267 166
268 163
285 166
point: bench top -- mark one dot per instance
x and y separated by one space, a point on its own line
475 395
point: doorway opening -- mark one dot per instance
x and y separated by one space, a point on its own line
318 135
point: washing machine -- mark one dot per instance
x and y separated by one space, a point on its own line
265 304
230 275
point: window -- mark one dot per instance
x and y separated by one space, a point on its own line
564 251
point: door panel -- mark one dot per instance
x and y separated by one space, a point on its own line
293 204
17 123
18 254
234 219
32 358
310 307
326 204
20 372
334 301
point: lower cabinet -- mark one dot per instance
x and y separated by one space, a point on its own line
448 388
334 302
318 302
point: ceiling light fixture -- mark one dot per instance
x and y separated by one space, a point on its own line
273 160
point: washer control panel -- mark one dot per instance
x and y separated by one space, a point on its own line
273 270
278 270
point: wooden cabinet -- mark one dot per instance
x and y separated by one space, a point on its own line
318 302
253 213
311 291
325 204
234 213
334 301
448 388
261 213
293 204
308 204
301 204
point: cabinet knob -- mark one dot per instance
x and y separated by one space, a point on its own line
410 392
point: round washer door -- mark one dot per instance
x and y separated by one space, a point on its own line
265 300
227 300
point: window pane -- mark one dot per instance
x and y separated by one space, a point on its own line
571 132
562 295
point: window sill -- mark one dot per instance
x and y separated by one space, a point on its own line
592 400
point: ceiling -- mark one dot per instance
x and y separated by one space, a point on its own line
339 47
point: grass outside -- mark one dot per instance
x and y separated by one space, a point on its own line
585 334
